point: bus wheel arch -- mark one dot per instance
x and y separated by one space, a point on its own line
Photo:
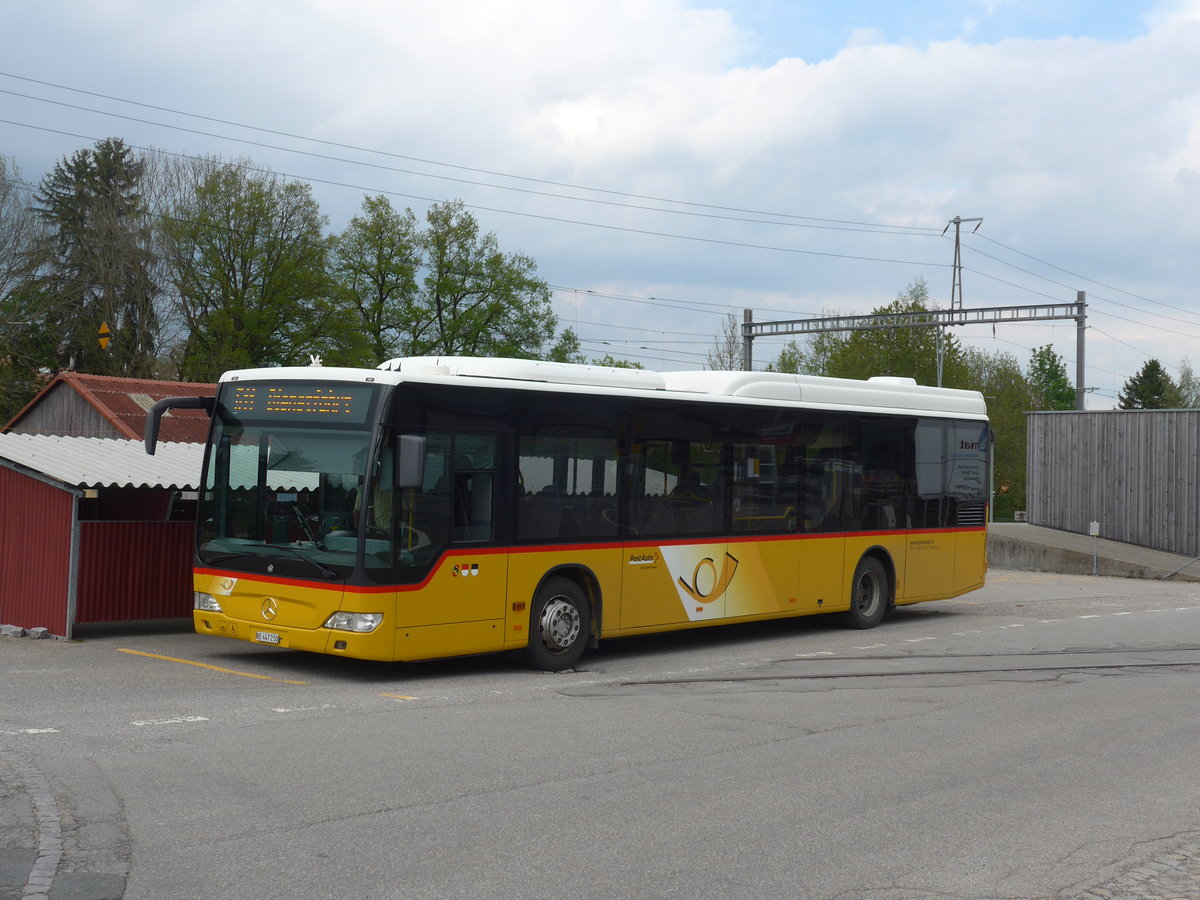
872 590
562 619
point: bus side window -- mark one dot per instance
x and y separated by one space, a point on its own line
678 488
832 481
567 484
431 506
885 463
927 494
474 479
765 486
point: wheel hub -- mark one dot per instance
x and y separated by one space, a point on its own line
868 594
560 624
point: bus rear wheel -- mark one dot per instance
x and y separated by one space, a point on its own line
559 626
869 595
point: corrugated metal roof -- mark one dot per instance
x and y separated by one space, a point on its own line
85 462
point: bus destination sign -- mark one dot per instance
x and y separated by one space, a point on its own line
346 403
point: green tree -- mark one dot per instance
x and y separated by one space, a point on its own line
1189 386
1009 395
444 289
474 298
1051 385
812 358
20 230
566 348
28 343
248 259
613 363
97 261
1150 388
728 350
789 361
375 263
902 352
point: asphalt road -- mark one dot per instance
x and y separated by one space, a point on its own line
1037 739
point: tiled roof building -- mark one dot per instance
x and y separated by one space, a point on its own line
102 406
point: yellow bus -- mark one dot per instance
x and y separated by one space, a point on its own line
439 507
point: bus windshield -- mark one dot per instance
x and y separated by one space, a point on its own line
286 496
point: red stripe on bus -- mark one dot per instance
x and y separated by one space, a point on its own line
561 548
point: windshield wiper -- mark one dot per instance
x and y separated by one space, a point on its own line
324 570
252 553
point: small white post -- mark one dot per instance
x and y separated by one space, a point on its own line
1094 531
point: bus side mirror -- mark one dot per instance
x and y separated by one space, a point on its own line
159 409
410 461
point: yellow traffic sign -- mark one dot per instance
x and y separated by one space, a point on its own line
105 335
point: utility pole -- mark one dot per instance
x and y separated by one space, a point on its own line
747 341
956 298
1080 346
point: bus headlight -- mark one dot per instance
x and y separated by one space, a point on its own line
206 602
360 622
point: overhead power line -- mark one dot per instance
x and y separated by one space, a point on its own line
841 224
1084 277
691 208
864 229
1066 286
513 212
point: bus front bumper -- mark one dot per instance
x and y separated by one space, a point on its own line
376 645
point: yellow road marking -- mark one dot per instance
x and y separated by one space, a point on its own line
400 696
189 662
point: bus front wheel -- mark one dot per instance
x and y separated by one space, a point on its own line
868 595
559 626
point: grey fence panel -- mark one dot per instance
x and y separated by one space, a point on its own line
1137 473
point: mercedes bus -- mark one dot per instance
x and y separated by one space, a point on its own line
438 507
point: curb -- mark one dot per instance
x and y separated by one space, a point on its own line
48 823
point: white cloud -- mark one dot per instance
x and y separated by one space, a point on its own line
1170 12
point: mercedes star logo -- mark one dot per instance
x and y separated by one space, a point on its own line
269 608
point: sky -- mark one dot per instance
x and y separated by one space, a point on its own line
669 163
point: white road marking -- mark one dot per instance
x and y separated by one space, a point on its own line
177 720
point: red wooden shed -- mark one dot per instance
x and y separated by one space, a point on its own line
94 530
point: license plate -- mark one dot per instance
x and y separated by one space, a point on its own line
266 637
